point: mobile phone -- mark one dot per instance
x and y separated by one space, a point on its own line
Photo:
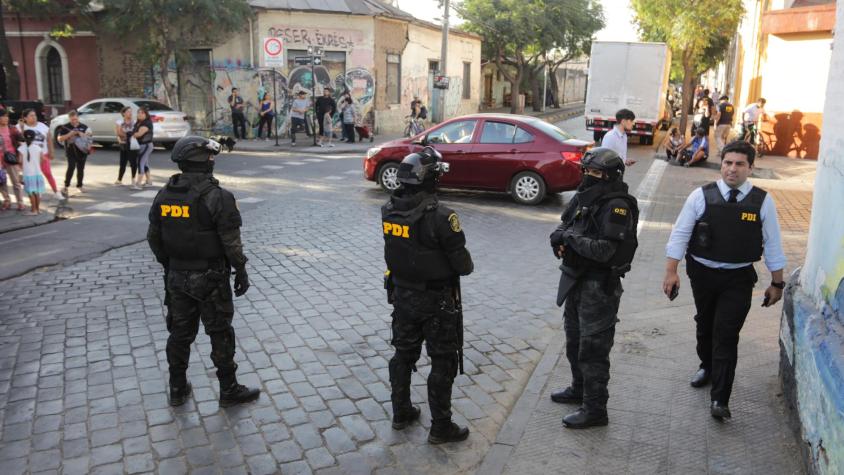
675 290
766 301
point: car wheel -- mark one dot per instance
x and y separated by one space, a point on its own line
388 176
527 188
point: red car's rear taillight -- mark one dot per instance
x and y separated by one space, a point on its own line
572 156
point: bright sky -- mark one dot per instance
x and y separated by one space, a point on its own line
617 13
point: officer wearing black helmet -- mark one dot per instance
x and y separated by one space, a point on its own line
425 250
596 241
194 232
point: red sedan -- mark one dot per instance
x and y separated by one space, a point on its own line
524 156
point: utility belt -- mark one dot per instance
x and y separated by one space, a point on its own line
196 264
423 285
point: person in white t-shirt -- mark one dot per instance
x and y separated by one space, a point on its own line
44 141
750 120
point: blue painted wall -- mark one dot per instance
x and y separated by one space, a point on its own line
812 330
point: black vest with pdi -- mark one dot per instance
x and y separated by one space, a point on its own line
187 228
729 232
407 256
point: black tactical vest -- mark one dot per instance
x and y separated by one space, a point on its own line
586 222
408 257
187 228
729 232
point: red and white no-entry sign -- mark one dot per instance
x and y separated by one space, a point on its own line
273 52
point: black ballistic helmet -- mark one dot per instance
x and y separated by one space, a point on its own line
606 160
191 148
420 167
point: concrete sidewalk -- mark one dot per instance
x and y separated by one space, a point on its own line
658 423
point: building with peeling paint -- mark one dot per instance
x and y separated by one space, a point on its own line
381 55
812 328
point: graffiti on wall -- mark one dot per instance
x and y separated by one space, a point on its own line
253 84
327 38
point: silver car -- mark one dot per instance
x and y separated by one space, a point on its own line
101 116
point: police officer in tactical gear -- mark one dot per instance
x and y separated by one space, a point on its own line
596 241
723 228
425 250
194 232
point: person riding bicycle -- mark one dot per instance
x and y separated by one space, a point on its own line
417 109
750 118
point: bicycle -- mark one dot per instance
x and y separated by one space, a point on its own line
414 126
750 134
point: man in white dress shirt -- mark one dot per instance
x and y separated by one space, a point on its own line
616 139
723 228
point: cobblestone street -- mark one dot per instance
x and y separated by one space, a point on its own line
83 371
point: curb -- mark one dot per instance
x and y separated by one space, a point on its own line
513 428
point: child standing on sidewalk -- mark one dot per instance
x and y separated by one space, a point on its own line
327 132
33 182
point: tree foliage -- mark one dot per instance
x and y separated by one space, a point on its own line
59 10
166 30
698 34
521 35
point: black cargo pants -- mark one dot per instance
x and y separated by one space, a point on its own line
429 316
195 296
589 320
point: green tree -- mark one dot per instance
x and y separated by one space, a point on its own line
60 10
166 30
520 35
698 34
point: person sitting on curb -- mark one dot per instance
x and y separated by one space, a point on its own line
673 143
695 151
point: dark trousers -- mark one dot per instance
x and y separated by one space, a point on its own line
130 157
268 120
589 320
193 296
429 316
722 300
75 162
349 132
239 122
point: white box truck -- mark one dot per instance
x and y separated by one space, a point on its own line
627 76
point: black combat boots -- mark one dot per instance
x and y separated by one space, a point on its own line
179 393
447 432
568 396
401 421
237 394
582 419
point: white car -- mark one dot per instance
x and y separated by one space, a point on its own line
101 116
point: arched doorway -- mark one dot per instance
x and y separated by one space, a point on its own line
55 77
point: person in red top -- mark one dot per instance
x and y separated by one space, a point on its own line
9 141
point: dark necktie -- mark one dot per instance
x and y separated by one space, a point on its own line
733 196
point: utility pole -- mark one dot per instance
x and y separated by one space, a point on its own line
440 110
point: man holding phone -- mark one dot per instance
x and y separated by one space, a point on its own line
723 228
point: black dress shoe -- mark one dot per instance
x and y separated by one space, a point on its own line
580 419
238 394
179 396
719 411
700 379
567 396
450 432
404 420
